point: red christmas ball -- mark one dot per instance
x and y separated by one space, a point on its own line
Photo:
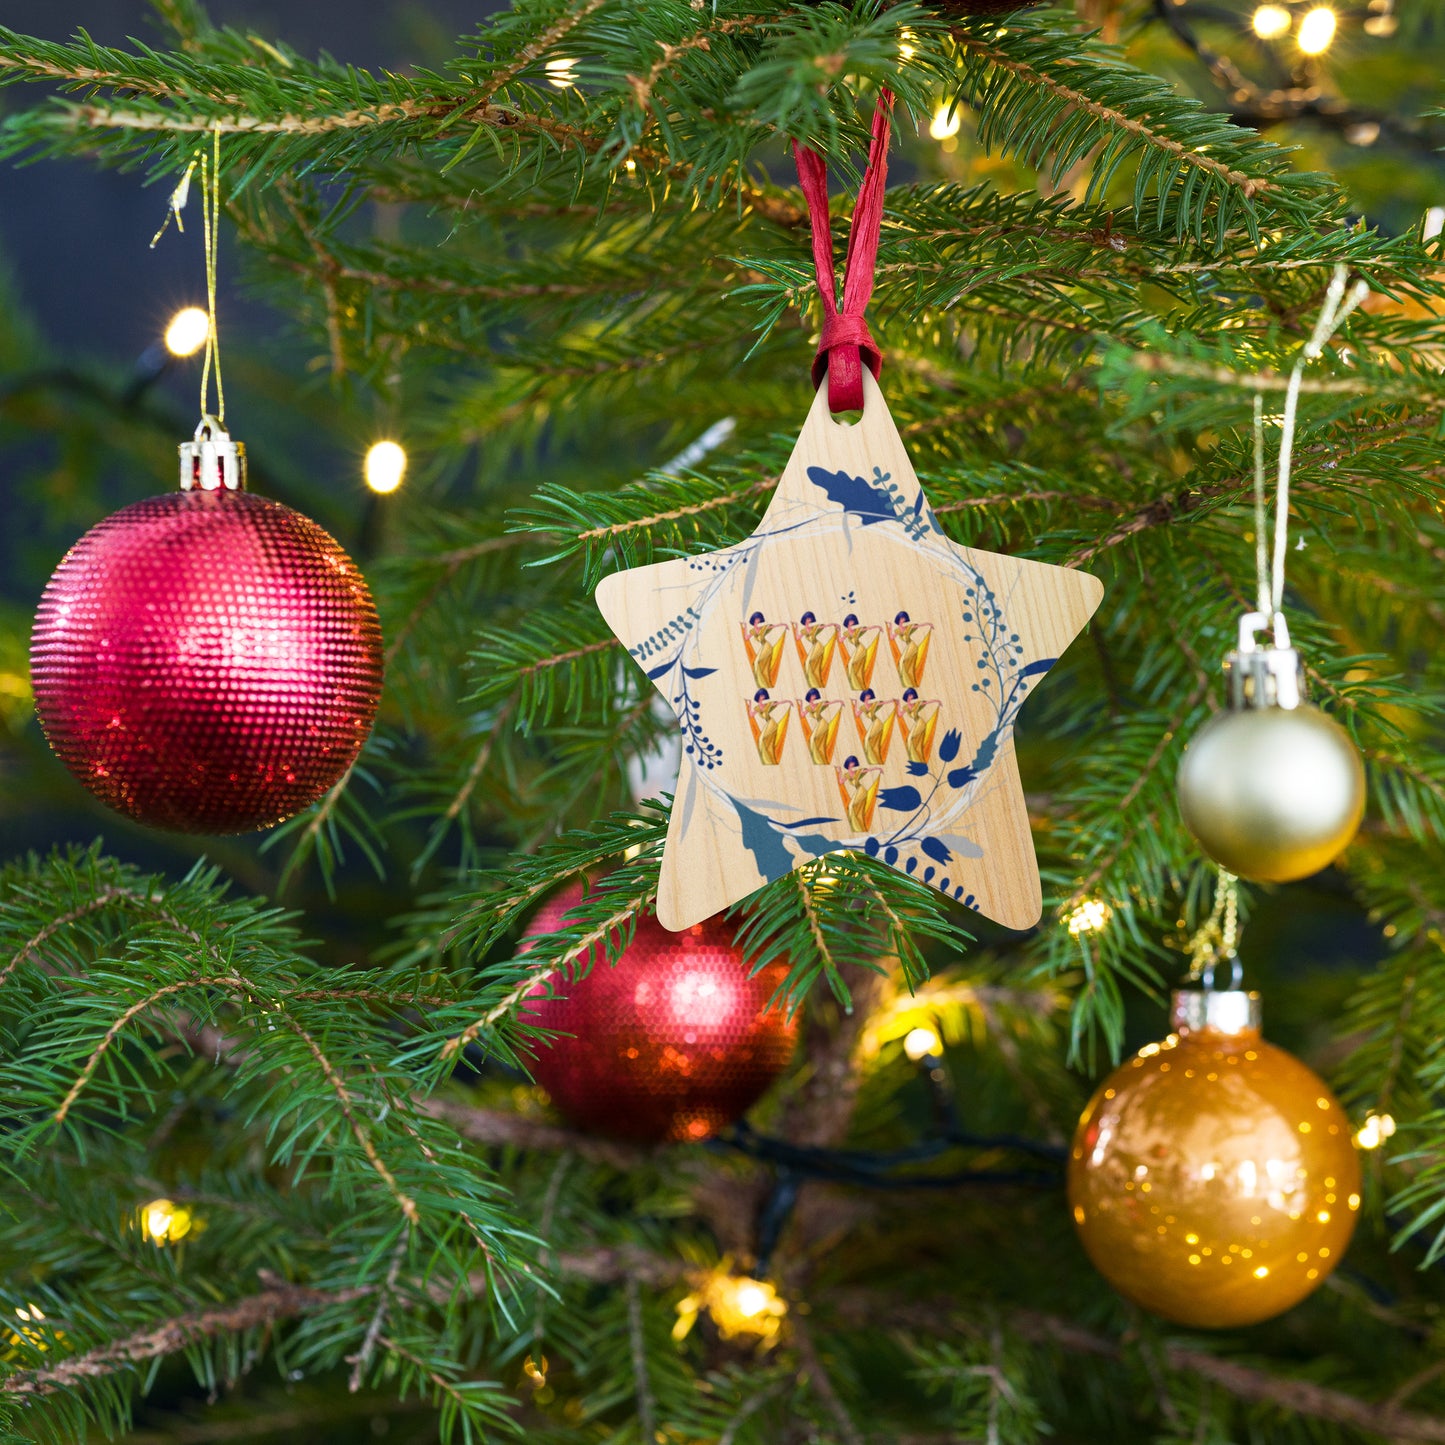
207 661
673 1042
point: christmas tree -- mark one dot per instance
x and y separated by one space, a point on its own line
275 1162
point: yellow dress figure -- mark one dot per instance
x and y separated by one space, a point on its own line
819 718
909 641
859 645
919 722
817 642
874 720
859 787
769 722
764 643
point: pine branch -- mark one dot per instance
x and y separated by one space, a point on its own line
278 1301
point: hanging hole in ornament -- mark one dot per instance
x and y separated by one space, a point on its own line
1209 979
850 417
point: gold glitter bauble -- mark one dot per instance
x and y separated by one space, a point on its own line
1272 793
1213 1178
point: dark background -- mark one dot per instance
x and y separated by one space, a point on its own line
77 238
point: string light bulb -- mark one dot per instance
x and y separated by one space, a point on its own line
738 1304
187 331
385 466
1269 22
32 1328
1317 30
946 121
166 1222
1374 1131
1089 917
562 72
922 1043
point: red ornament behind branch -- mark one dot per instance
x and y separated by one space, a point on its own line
673 1042
207 661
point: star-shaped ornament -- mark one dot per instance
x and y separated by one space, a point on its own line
848 678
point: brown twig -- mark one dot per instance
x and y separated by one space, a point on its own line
820 1382
728 499
278 1301
537 47
101 900
362 1358
504 1129
118 1026
1251 186
525 985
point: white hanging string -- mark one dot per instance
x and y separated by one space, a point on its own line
1261 515
1337 306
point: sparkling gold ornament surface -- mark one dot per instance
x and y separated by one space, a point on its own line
1213 1179
1272 794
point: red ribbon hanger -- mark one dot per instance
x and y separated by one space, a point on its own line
846 341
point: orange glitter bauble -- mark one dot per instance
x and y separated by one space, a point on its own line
1213 1177
674 1041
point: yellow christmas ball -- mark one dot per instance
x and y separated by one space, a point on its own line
1213 1178
1272 793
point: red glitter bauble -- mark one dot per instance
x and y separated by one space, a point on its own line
207 661
673 1042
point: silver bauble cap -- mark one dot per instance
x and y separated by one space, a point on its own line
1219 1010
211 461
1264 676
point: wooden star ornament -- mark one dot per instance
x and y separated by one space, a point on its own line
848 678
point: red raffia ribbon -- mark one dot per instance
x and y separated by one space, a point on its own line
846 341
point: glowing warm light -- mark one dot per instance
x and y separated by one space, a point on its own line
187 331
1317 30
1374 1131
1089 917
535 1371
385 467
738 1304
906 48
30 1314
946 121
1270 22
165 1222
919 1043
700 1001
562 72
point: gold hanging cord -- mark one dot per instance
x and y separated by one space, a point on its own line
1216 940
210 168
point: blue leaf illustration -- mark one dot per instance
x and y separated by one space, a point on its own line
699 671
935 850
901 800
807 822
763 841
959 776
948 748
918 770
855 495
662 668
1042 665
986 750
